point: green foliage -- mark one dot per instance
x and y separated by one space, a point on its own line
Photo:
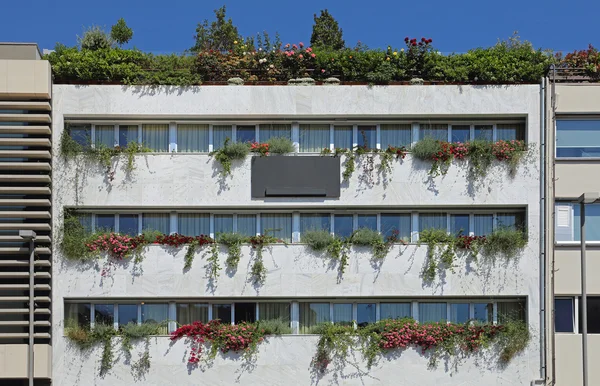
431 150
258 271
68 146
95 38
318 240
349 166
337 249
228 153
513 339
280 145
326 33
219 35
233 241
440 251
371 238
480 158
120 32
274 326
73 240
505 241
212 262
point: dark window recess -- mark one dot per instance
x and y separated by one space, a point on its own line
282 176
245 312
563 315
593 315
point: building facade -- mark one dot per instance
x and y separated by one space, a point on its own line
177 187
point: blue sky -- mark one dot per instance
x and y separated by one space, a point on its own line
454 26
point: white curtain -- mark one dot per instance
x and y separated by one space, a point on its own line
483 224
313 138
459 312
220 133
193 224
395 135
192 138
484 132
395 310
342 137
156 137
433 221
278 225
223 223
368 221
127 133
435 131
510 131
156 313
342 313
367 136
268 131
270 311
396 222
105 136
246 224
188 313
314 221
432 312
312 314
156 222
511 311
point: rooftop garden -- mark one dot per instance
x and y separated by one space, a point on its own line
221 55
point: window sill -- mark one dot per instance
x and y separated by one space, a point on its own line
576 243
577 159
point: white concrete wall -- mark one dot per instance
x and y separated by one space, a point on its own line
176 181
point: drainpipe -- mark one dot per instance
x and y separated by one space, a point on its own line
553 181
543 230
29 235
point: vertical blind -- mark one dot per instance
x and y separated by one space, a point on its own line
271 311
342 137
510 131
156 137
156 313
268 131
395 310
223 223
433 221
127 133
396 222
435 131
313 138
156 222
484 132
314 222
313 314
277 225
395 135
367 137
188 313
193 224
483 224
105 136
432 312
192 138
246 224
220 134
459 312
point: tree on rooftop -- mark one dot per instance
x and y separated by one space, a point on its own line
219 35
326 32
120 32
94 38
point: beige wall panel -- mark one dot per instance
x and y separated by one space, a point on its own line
568 271
578 98
575 178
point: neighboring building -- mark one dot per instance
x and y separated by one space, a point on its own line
177 188
573 154
25 205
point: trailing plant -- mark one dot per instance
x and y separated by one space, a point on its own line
349 166
388 155
228 153
371 238
130 151
72 243
68 146
437 152
336 247
440 251
233 242
505 241
280 145
510 151
480 158
258 271
212 262
274 326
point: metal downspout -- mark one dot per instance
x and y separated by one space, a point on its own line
543 231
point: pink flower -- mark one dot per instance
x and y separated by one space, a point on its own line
323 71
295 47
312 55
300 56
301 44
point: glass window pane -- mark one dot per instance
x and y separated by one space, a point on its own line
223 223
245 312
461 133
313 314
459 312
268 131
156 137
156 222
85 219
395 310
396 225
104 314
220 135
483 224
483 312
128 224
187 313
193 224
156 313
313 138
127 133
510 131
222 312
365 314
315 222
343 225
432 221
395 135
563 315
511 311
342 137
368 221
578 138
192 138
245 133
435 131
82 134
79 313
432 312
342 314
367 137
459 224
592 222
484 132
277 225
105 222
128 313
246 224
593 315
105 136
510 220
271 311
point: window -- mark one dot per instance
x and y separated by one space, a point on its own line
510 131
510 220
511 311
483 312
188 313
342 137
436 131
432 221
395 310
365 314
220 134
128 313
156 313
105 222
563 315
223 223
395 135
461 133
314 138
85 219
459 312
483 224
593 315
82 134
127 133
105 136
459 224
156 222
193 224
245 133
128 224
396 225
577 138
277 225
222 312
343 226
432 312
268 131
245 312
246 224
104 314
592 222
342 314
367 137
368 221
192 138
78 313
313 314
271 311
156 137
484 132
314 222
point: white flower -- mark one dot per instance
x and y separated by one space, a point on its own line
244 53
263 60
260 49
272 66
